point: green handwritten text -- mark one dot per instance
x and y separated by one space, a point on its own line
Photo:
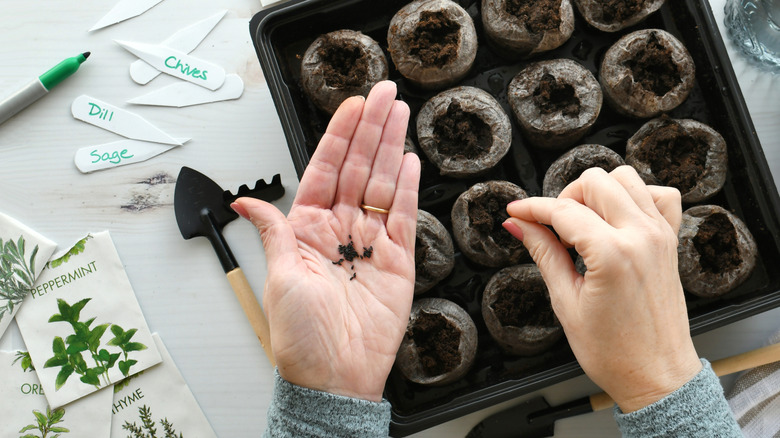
176 64
115 157
103 114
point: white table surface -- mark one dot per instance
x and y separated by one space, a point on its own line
179 284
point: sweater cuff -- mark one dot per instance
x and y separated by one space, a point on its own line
697 409
302 412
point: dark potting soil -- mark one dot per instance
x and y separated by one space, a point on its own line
716 242
676 158
553 95
537 15
527 307
344 63
461 134
652 67
614 11
486 215
436 39
573 168
437 341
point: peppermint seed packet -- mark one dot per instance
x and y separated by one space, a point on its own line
26 413
82 323
158 399
23 254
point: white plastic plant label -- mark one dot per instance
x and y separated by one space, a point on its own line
26 414
119 153
160 399
23 254
185 40
119 121
82 323
178 64
185 94
124 10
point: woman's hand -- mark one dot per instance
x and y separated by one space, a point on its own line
336 327
626 318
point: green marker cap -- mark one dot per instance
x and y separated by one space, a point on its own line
61 71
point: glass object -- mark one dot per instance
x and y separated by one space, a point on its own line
754 26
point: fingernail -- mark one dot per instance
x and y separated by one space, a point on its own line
513 229
240 210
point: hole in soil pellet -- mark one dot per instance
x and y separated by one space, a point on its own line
344 63
676 158
436 39
614 11
716 242
529 307
437 341
461 134
538 15
553 95
486 215
652 67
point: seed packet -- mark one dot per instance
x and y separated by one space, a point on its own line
23 254
158 399
26 414
82 323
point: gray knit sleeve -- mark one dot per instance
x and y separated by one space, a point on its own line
301 412
697 409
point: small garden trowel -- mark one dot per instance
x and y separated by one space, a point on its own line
202 209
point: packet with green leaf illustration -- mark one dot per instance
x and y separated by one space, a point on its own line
23 254
26 413
82 323
158 399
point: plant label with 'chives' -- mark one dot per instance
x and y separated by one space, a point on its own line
119 121
178 64
23 254
26 413
82 324
184 40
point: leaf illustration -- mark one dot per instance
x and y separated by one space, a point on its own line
28 427
124 366
62 376
42 420
134 346
78 248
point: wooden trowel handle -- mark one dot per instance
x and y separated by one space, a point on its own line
252 310
722 367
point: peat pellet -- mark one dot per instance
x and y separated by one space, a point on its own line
440 343
716 251
555 102
433 43
646 73
681 153
521 28
341 64
517 311
463 131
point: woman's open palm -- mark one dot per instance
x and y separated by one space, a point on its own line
341 278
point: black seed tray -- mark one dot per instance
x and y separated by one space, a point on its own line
282 34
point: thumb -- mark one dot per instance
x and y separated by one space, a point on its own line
278 237
552 258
